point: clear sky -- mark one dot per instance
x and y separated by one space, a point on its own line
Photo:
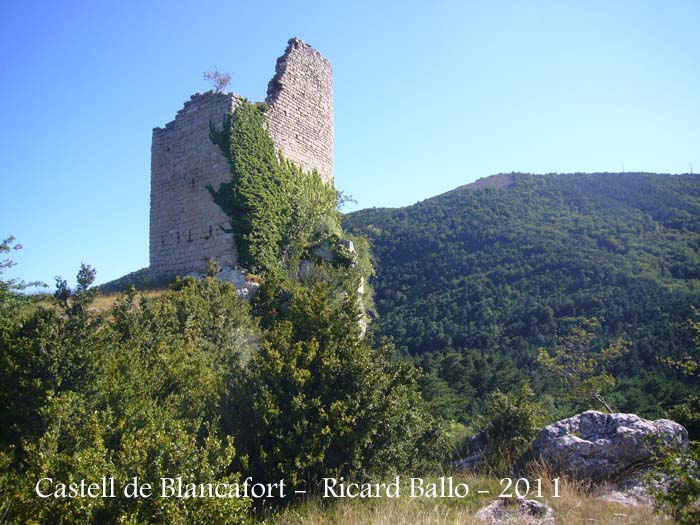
428 96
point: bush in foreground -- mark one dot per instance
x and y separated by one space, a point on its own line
319 400
134 391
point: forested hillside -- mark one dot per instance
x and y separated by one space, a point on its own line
475 282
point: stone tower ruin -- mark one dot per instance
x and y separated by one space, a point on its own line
187 227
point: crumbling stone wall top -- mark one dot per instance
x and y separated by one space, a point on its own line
186 227
300 114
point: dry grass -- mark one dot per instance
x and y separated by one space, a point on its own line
574 506
104 302
578 506
101 303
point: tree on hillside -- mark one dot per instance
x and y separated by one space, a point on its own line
688 364
11 287
581 370
679 472
688 412
132 391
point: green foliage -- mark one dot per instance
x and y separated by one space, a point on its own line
510 425
688 364
319 400
688 412
363 268
257 198
161 387
581 370
7 288
688 415
499 272
456 383
677 491
10 297
314 216
280 215
43 352
136 391
75 303
275 209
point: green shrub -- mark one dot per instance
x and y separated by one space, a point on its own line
137 391
583 370
677 491
688 415
319 400
510 425
314 215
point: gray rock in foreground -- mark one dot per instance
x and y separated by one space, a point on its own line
630 493
596 446
507 510
476 454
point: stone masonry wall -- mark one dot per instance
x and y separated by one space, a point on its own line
187 227
300 116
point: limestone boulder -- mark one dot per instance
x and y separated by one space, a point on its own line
323 251
475 457
516 510
245 286
596 446
347 244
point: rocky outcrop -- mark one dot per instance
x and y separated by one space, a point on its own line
475 454
245 286
343 253
323 251
596 446
630 492
520 510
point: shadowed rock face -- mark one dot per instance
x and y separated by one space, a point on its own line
596 446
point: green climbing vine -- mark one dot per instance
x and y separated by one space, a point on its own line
276 210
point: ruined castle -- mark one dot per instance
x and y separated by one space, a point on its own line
187 227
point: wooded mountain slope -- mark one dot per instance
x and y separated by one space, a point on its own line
474 281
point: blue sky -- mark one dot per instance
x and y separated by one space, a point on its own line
428 96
